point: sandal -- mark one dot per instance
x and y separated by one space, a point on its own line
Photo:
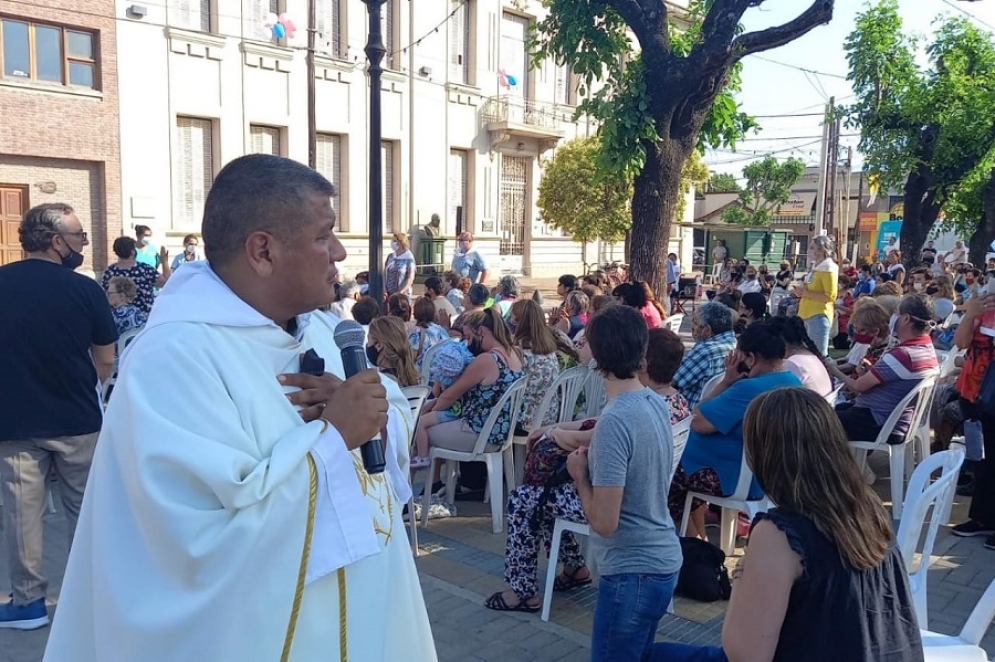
498 603
418 462
568 582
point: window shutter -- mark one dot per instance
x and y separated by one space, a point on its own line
459 41
388 33
329 30
195 169
458 182
254 18
388 186
264 140
329 163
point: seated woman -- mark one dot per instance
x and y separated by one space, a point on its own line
498 365
802 356
508 291
871 334
425 333
633 295
813 586
663 356
713 456
121 294
474 301
388 349
538 348
752 308
651 299
575 319
598 304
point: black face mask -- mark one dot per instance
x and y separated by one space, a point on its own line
475 345
372 355
72 261
932 289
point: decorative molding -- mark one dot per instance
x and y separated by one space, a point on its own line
196 44
464 95
51 88
548 144
333 70
267 56
498 138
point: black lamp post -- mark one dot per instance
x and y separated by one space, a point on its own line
375 51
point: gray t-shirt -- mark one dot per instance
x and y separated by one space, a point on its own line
633 448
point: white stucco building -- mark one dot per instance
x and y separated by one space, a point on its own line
202 82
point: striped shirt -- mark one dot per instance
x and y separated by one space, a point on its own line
899 371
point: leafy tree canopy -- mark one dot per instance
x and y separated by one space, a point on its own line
768 186
723 182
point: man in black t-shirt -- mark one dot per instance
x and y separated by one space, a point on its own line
57 335
929 254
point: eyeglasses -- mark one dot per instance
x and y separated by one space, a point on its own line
81 235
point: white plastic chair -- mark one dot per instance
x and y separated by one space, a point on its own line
416 396
594 394
673 322
681 431
965 647
710 385
426 363
900 456
497 469
568 385
922 496
731 507
834 395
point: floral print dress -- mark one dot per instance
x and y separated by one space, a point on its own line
541 370
478 402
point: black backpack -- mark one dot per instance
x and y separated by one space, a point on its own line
703 576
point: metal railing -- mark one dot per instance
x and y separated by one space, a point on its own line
521 111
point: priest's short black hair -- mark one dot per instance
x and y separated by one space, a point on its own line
257 192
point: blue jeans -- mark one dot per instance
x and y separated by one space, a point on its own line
686 653
817 327
628 612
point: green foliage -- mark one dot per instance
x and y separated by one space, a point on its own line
768 186
934 120
592 38
589 205
723 182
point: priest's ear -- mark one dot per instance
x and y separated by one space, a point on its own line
261 249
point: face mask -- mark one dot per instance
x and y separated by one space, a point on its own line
394 246
861 277
917 287
932 289
463 246
864 338
72 261
969 280
743 368
475 345
191 249
372 354
751 276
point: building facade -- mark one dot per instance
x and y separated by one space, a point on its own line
59 119
467 121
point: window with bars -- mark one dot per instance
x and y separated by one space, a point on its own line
48 54
254 18
329 27
390 182
190 14
459 43
265 140
459 186
194 169
388 21
328 159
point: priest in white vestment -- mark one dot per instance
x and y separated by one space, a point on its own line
228 515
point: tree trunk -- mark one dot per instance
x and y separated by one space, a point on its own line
921 212
656 192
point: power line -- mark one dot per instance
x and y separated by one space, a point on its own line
968 14
843 135
794 66
417 42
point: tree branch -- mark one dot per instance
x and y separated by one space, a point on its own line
722 21
648 20
819 13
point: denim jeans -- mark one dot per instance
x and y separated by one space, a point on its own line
685 653
628 612
818 330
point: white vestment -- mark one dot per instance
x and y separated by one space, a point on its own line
191 538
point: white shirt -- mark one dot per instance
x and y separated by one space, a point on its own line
748 286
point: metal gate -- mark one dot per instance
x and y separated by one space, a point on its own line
514 187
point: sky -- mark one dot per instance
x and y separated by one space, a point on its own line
771 89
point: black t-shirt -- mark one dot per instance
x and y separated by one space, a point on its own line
929 255
49 318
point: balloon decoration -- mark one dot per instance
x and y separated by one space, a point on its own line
506 80
280 27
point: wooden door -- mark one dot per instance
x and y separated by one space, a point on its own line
13 204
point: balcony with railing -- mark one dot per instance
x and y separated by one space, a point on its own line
519 117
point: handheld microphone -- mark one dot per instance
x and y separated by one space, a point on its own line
351 341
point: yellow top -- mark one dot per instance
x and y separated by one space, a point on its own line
824 279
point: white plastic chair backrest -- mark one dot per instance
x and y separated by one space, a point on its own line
568 385
674 322
426 364
416 395
745 480
681 432
980 618
125 339
594 391
920 496
948 362
512 398
710 385
921 393
832 397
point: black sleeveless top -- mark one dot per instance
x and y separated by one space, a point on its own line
837 613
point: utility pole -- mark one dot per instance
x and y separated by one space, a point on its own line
832 165
312 123
375 51
820 200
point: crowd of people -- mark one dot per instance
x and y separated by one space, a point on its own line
757 383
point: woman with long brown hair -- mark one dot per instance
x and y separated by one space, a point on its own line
388 349
426 333
538 345
823 579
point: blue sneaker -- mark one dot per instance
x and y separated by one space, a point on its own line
24 617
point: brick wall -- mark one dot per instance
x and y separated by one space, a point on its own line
53 134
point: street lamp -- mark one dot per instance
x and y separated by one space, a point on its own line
375 51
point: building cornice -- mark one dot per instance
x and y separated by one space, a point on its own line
266 56
197 44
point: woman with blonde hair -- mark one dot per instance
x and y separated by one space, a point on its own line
498 365
399 270
388 349
870 320
541 365
425 333
817 295
823 579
